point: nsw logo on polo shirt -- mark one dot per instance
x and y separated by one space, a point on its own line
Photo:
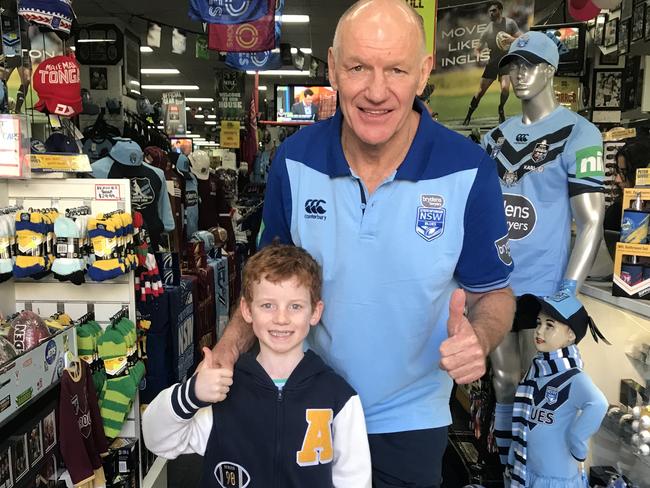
430 220
315 209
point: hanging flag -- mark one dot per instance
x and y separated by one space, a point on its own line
246 37
202 47
254 61
153 34
227 11
179 41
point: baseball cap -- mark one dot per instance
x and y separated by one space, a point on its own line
583 10
564 307
200 164
534 47
56 81
127 152
61 143
113 105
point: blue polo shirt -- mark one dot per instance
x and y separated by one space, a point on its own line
391 259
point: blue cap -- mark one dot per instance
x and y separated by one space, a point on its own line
59 142
127 152
534 47
37 147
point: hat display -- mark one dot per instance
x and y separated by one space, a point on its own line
127 152
61 143
534 47
564 307
583 10
200 164
56 81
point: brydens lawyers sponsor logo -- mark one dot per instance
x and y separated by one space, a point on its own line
315 209
520 216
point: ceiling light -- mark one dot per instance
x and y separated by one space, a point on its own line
305 50
187 108
134 82
261 88
280 72
159 71
146 49
72 48
212 116
83 41
210 122
135 91
161 126
173 87
199 116
199 99
294 19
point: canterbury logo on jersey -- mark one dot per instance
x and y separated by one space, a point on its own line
315 209
521 138
317 446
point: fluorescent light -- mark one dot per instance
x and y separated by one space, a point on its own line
187 108
261 88
305 50
134 82
199 99
293 19
94 40
280 72
210 122
212 116
159 71
72 48
135 91
173 87
199 116
161 126
146 49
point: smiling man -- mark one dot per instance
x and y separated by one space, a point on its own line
400 212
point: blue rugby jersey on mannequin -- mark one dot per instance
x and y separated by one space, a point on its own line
541 166
390 259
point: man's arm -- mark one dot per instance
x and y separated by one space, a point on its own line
238 337
473 337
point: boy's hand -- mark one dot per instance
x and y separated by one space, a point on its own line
212 384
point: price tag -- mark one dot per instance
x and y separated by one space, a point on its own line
107 192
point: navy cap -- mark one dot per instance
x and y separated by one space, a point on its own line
37 147
113 105
564 307
127 152
535 47
59 142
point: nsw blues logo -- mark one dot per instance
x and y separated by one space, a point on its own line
430 221
551 395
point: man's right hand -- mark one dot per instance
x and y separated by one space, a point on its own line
212 383
224 355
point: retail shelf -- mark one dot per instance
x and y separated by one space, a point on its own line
603 291
157 475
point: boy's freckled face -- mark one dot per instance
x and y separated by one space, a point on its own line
282 314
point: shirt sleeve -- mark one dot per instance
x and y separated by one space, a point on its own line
511 27
583 158
177 422
485 263
592 404
276 215
351 464
164 205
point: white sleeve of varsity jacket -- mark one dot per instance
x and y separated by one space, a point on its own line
351 464
177 422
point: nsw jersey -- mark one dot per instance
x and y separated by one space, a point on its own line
541 166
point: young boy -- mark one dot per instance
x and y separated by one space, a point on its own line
283 418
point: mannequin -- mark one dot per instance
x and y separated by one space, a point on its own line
557 406
551 168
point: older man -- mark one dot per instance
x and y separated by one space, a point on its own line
400 212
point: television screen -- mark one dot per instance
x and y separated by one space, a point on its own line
572 37
181 146
307 104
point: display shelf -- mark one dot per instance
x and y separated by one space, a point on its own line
603 291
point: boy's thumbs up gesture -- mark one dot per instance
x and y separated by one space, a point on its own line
462 354
212 384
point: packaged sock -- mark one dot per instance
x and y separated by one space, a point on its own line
68 266
102 234
6 252
31 235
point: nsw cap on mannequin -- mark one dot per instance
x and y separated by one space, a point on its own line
534 47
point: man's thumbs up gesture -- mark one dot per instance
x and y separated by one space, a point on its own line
212 384
462 355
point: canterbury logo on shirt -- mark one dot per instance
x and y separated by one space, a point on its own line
315 206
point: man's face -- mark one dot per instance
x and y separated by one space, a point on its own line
378 70
494 13
528 80
308 100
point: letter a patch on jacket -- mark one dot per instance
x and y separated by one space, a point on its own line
317 445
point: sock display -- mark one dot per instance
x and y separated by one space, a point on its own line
69 264
103 237
7 240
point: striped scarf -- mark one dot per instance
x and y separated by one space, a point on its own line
544 364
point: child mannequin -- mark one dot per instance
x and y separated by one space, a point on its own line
557 407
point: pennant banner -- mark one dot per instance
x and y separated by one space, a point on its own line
246 37
254 61
202 48
153 34
227 11
179 41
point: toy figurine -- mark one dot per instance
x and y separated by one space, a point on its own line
557 407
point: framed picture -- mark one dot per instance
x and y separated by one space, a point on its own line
646 35
610 59
610 37
607 89
624 36
19 463
6 480
638 21
35 444
49 431
599 30
631 83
